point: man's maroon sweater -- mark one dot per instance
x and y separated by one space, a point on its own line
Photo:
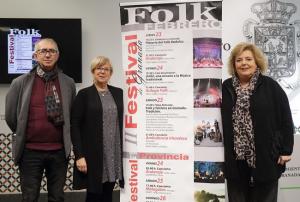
41 134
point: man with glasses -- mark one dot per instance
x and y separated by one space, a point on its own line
37 111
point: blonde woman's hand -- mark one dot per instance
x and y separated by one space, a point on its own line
284 159
81 165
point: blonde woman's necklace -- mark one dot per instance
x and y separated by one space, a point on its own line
102 91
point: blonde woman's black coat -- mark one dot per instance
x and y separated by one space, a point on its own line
87 133
273 128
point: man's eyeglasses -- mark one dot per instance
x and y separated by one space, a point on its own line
44 51
104 69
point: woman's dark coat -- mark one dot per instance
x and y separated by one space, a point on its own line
86 134
273 128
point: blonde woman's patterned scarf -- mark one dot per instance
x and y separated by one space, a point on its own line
243 131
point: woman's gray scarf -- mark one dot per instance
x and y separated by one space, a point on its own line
52 101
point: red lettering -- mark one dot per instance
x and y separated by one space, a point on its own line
11 49
132 48
130 80
134 197
129 123
132 107
130 37
132 92
132 63
133 181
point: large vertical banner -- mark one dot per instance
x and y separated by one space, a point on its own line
172 61
274 26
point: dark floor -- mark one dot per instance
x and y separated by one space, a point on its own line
69 197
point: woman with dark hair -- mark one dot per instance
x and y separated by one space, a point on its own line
258 128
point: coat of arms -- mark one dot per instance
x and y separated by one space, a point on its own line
279 39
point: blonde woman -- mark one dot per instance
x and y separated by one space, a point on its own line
96 131
257 127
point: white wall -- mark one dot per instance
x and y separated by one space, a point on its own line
100 27
100 31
